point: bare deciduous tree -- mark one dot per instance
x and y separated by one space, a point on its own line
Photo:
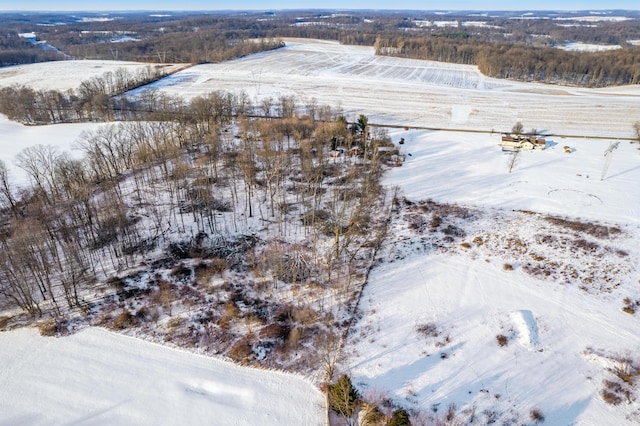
287 106
517 128
266 104
5 189
39 162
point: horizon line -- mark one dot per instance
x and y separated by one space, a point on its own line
319 9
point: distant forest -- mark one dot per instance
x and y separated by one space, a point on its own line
16 50
505 45
521 62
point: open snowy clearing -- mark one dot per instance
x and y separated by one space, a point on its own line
101 378
16 137
545 365
65 75
595 18
411 92
430 319
470 169
589 47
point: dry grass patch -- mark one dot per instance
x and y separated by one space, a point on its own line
428 330
536 415
626 370
275 331
230 314
305 315
48 327
4 321
242 351
478 241
174 323
204 271
610 398
502 340
536 257
294 338
593 229
123 321
621 385
630 306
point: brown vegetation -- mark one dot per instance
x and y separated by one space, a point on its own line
549 254
536 415
630 306
590 228
142 203
502 340
621 383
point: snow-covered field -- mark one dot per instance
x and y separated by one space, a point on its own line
102 378
15 137
470 169
412 92
430 317
546 364
589 47
596 18
65 75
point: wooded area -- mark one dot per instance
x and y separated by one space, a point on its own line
521 62
136 37
503 45
183 193
93 101
16 50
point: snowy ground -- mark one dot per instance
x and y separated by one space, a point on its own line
589 47
15 137
101 378
470 169
412 92
431 312
64 75
545 365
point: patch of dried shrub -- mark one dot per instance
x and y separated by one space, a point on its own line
593 229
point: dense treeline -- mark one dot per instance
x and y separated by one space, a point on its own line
520 62
92 101
550 65
183 38
548 32
199 47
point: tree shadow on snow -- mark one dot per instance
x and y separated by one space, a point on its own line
398 377
624 172
567 415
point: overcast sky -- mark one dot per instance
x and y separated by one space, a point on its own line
65 5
